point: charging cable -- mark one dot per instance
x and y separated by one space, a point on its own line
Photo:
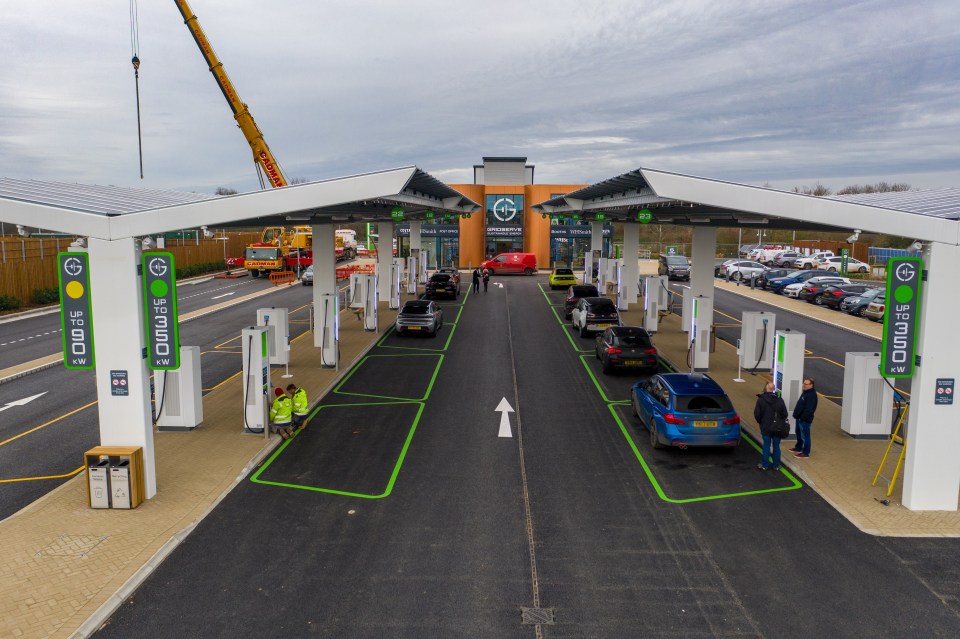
763 345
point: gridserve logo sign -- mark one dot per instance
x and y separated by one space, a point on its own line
505 210
900 317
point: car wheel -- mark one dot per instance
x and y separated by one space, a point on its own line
832 269
863 269
583 331
818 300
857 312
633 409
654 439
736 277
528 271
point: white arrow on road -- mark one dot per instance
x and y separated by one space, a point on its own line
500 284
21 402
504 409
224 295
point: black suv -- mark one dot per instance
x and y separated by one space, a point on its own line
575 293
675 267
441 284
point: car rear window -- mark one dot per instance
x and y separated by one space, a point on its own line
585 291
415 309
440 278
633 340
564 271
677 260
602 304
702 404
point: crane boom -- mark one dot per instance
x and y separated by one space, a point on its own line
266 162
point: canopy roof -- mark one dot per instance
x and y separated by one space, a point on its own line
110 212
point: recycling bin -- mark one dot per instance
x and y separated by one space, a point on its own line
98 482
117 472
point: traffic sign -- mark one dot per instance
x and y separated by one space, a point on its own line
76 317
160 311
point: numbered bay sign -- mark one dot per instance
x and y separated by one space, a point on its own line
76 318
160 312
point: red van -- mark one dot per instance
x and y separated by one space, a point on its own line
525 263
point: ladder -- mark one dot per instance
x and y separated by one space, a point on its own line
895 438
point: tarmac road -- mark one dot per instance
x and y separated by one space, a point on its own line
399 512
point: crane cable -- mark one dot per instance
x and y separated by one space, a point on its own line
135 50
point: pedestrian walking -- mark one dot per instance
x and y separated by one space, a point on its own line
301 406
486 279
476 280
803 415
771 414
281 414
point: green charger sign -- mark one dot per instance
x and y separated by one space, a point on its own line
76 317
160 311
900 317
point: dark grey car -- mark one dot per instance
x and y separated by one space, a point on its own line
420 316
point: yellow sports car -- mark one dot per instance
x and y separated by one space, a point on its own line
562 278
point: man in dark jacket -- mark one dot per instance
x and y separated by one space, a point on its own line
803 414
769 407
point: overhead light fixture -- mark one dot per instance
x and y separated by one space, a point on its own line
700 220
753 220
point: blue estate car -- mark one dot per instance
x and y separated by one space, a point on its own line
685 409
778 283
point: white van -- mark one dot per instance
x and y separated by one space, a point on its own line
811 261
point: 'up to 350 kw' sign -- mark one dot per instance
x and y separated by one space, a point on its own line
160 311
900 316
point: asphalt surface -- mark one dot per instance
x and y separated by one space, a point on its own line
399 512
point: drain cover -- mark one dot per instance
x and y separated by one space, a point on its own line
536 616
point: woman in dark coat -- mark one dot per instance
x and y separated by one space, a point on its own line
769 407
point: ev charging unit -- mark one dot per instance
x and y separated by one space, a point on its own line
602 272
622 284
358 290
329 326
663 292
700 329
424 261
867 398
651 304
370 303
279 320
613 266
588 267
686 308
178 396
256 379
756 340
788 350
396 275
412 275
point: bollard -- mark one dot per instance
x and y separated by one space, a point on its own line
753 282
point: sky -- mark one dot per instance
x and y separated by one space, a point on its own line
781 93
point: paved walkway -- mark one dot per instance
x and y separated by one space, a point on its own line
66 567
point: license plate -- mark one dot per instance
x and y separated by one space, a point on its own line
632 362
603 326
414 328
699 424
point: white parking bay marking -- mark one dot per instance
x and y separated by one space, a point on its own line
504 409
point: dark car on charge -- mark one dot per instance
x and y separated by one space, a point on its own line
857 304
419 316
441 284
684 409
833 296
675 267
575 293
772 273
816 285
777 284
621 347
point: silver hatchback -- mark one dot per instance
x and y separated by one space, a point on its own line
420 316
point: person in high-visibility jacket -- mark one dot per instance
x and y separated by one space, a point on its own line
301 405
281 414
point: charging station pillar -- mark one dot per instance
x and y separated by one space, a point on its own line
686 308
396 279
385 259
867 398
358 290
631 262
602 275
788 351
370 303
256 380
279 319
623 303
328 330
651 304
412 274
700 330
756 340
178 395
587 267
423 262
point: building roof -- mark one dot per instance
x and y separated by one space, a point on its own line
109 212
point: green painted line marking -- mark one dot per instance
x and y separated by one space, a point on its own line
255 478
549 301
596 382
433 378
795 484
566 330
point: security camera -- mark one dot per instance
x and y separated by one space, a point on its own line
853 238
207 233
916 246
148 243
22 232
79 243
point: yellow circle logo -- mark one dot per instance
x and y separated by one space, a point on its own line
74 290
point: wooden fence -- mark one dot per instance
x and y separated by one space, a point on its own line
28 264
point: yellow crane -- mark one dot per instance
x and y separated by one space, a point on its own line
267 165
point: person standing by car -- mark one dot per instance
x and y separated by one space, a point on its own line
476 280
771 415
803 414
486 279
